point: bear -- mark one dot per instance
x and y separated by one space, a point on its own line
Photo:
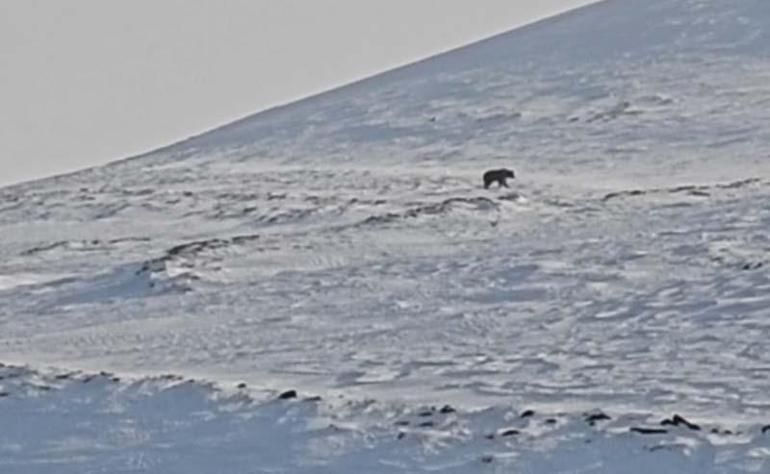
498 175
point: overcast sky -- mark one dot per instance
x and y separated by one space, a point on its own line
84 82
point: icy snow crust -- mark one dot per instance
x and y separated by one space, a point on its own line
344 246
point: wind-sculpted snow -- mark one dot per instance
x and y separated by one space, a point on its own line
344 246
642 297
169 424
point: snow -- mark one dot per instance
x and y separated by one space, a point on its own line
344 247
74 422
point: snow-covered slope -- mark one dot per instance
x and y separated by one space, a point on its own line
75 422
610 85
344 246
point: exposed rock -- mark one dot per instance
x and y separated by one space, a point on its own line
288 395
592 418
679 421
647 431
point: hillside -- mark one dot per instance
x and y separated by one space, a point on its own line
344 247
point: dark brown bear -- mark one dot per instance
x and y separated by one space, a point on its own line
497 175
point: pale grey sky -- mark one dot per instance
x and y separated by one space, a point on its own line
84 82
